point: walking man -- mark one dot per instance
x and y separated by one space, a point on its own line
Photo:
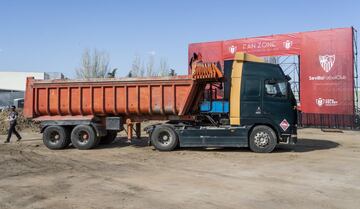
13 115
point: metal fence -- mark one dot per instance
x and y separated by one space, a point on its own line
338 121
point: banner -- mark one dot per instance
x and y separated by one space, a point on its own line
327 72
326 64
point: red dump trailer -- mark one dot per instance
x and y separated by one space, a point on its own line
134 98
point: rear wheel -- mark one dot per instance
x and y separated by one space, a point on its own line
109 138
164 138
84 137
262 139
56 137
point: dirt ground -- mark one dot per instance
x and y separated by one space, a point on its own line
321 171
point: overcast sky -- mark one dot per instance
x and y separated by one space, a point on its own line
49 36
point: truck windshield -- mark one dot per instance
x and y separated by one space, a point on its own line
277 89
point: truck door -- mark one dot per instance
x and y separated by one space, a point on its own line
276 106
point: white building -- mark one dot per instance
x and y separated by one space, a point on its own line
13 84
16 81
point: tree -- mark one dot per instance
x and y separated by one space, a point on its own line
136 67
150 65
140 69
164 69
95 64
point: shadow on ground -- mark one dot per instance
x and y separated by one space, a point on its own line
307 145
303 145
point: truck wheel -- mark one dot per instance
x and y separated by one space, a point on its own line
56 137
262 139
164 138
109 138
84 137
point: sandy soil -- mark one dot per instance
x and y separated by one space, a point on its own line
322 171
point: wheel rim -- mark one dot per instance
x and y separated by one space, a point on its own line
262 139
164 138
54 137
83 137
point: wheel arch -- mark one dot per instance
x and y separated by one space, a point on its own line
150 128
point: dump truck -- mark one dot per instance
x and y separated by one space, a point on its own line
257 108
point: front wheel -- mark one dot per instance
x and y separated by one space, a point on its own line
262 139
164 138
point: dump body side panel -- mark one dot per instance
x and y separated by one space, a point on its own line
107 97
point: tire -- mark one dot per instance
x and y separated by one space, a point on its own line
262 139
84 137
164 138
109 138
56 137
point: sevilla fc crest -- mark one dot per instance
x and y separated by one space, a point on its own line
320 102
232 49
287 44
327 62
